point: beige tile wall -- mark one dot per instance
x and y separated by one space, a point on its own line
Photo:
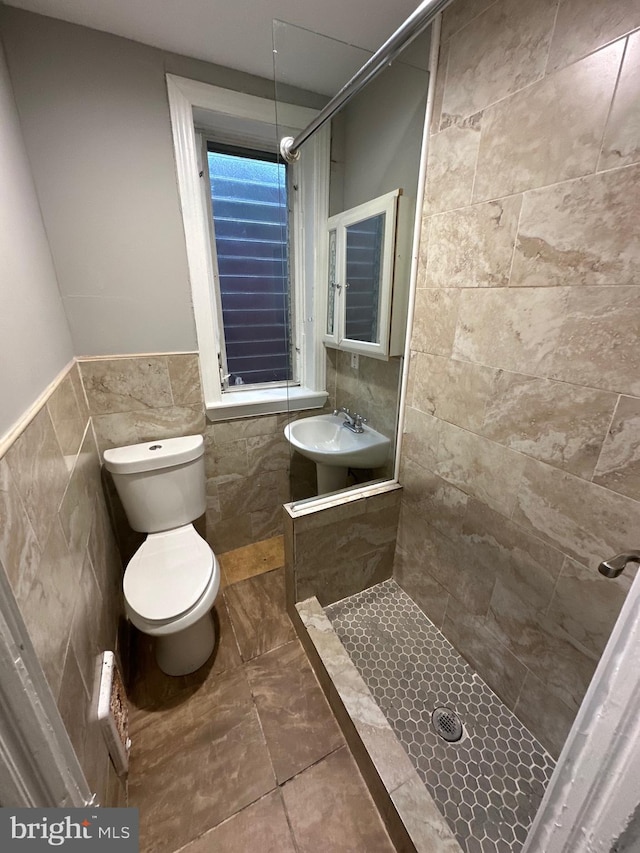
250 470
60 555
338 551
521 454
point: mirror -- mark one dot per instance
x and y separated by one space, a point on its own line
375 150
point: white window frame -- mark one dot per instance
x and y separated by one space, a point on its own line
310 205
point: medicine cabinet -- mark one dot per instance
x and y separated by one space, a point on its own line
368 277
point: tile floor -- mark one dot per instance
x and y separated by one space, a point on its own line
245 754
489 784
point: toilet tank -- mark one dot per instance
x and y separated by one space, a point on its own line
161 483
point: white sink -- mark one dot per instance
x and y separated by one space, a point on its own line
325 440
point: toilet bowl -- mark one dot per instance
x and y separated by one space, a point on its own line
172 581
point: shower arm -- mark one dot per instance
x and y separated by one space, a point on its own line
616 565
415 24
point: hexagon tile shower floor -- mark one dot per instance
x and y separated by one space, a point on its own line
489 783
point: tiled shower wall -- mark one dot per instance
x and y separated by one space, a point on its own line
335 552
58 551
520 459
141 398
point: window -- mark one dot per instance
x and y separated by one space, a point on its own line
278 374
249 209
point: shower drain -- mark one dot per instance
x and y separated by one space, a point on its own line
447 723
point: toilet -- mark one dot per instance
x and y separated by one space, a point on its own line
171 582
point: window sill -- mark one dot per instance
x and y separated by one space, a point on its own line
270 401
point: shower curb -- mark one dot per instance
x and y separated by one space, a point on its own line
409 813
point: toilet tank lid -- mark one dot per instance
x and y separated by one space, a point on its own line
164 453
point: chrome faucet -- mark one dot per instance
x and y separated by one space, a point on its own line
353 421
616 565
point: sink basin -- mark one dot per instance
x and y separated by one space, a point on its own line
325 440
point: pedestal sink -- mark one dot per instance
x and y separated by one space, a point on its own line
335 449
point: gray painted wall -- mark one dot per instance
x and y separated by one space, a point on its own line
95 116
35 343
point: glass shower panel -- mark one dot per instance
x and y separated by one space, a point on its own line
364 242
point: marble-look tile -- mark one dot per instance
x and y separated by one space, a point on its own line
563 425
473 247
39 473
267 523
331 577
228 459
449 562
505 50
525 564
597 345
184 378
365 533
581 519
542 645
372 390
454 391
580 233
69 413
243 495
411 572
257 611
618 467
126 384
586 604
427 828
122 428
331 811
516 330
87 625
84 732
103 549
328 518
48 605
421 437
451 166
458 15
267 453
254 559
441 79
544 714
197 763
19 548
434 321
226 534
493 662
550 131
296 719
76 508
621 144
438 501
391 762
245 428
585 25
261 826
479 467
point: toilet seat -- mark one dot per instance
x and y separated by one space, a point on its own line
168 575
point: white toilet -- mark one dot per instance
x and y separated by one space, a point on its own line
172 580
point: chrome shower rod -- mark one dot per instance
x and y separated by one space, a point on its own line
415 24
